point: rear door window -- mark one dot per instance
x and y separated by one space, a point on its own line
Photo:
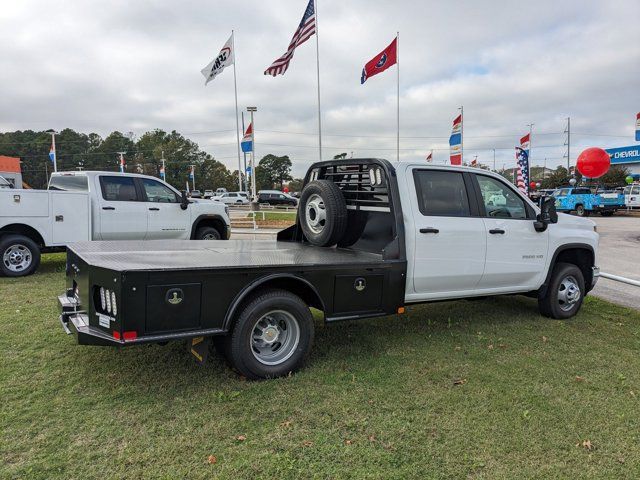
441 193
69 183
118 189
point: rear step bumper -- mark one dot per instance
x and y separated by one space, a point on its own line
76 322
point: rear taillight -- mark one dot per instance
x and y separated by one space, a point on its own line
130 335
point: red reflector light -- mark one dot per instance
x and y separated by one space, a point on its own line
130 335
116 335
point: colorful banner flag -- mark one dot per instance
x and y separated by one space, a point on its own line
382 61
191 172
430 157
247 140
474 162
638 127
52 154
162 173
522 167
225 58
455 142
525 142
121 163
304 32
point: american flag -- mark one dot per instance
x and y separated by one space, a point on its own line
303 33
522 179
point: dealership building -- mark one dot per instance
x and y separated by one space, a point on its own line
10 170
626 156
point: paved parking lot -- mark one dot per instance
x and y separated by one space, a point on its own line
619 254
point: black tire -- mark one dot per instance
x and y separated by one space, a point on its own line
357 221
552 304
207 233
607 213
322 198
19 256
241 350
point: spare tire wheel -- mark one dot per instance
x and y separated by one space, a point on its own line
323 213
357 221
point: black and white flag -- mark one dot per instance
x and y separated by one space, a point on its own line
222 60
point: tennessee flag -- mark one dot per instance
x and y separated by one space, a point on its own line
382 61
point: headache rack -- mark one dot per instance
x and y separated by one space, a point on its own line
355 181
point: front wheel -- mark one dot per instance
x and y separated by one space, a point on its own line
20 256
581 211
271 337
207 233
565 292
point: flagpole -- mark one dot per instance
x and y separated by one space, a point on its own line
235 90
462 135
315 7
398 95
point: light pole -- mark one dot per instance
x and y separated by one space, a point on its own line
254 202
52 154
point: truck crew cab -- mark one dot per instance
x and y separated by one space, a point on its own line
80 206
370 238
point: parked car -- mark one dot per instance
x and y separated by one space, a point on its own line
4 183
220 191
632 196
232 198
416 233
277 199
195 194
584 201
81 206
208 194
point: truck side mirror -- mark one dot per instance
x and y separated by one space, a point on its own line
547 215
184 200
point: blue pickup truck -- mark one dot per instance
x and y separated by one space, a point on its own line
585 200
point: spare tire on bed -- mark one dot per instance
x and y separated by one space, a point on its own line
322 213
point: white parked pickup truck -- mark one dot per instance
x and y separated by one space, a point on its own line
81 206
370 238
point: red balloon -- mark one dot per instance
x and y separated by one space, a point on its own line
593 162
532 185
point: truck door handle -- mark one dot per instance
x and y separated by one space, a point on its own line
496 230
108 208
429 230
155 209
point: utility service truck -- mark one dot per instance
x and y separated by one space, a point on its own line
81 206
370 238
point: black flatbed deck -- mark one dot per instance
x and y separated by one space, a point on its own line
166 255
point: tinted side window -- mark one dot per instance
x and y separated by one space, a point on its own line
71 183
118 189
500 201
441 193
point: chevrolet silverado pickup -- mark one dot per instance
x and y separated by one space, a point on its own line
370 238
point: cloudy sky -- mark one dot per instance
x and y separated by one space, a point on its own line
135 65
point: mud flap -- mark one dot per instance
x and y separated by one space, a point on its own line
199 348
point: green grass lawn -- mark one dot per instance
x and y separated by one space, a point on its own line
483 389
268 215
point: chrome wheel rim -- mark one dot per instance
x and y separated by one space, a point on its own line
209 236
17 258
275 337
568 293
315 213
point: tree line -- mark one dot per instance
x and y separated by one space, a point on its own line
76 150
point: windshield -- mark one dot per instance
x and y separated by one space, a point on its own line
70 183
560 192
